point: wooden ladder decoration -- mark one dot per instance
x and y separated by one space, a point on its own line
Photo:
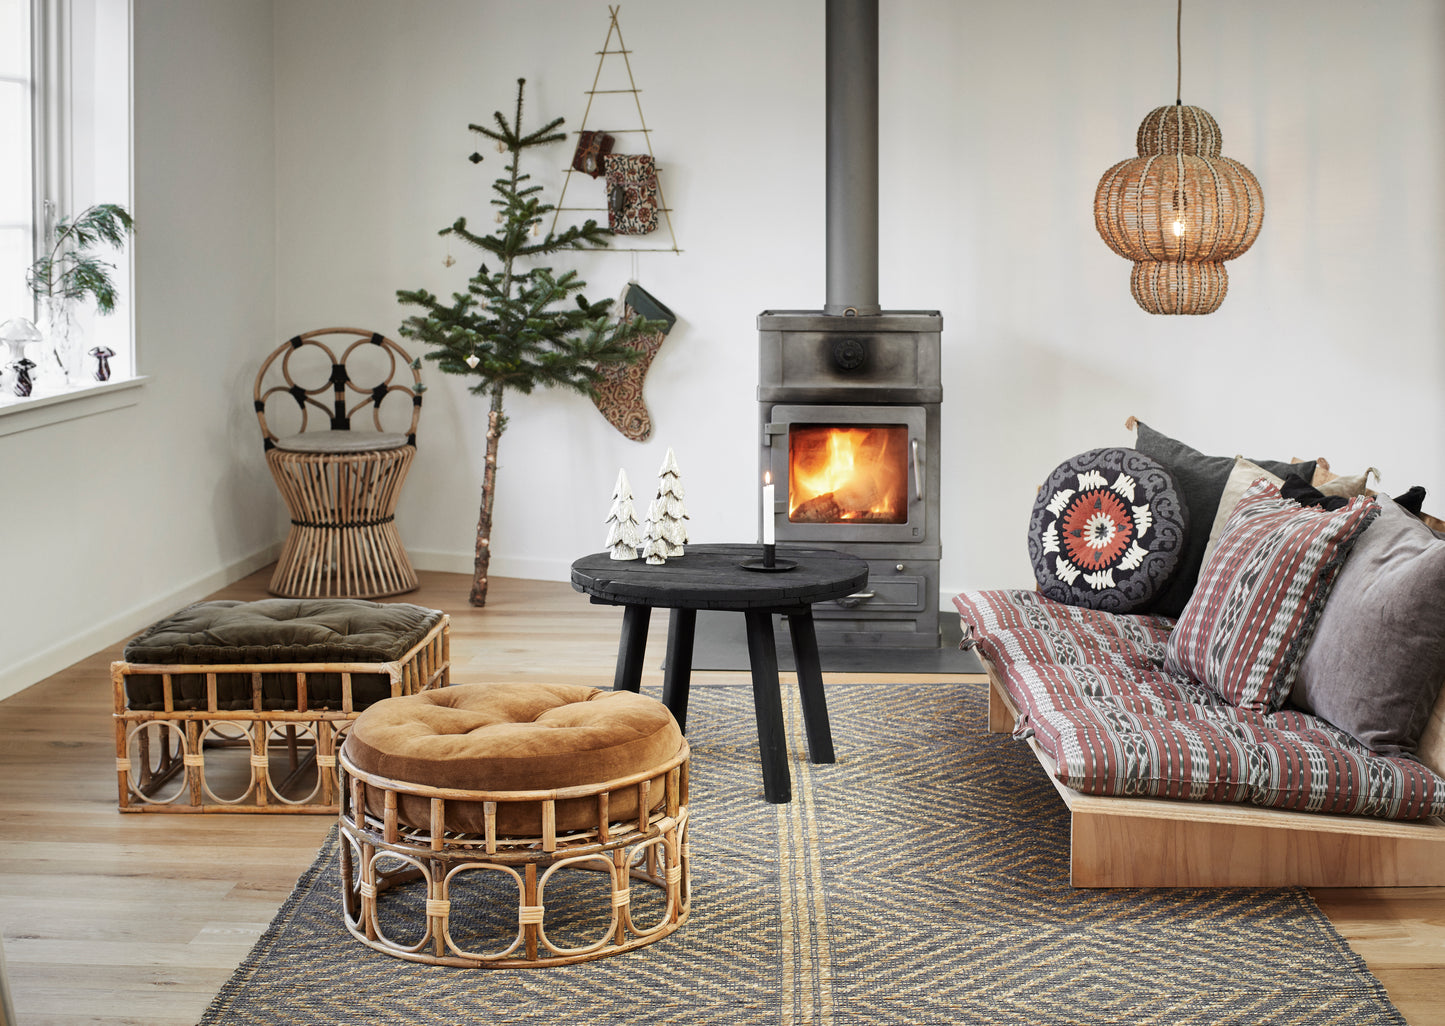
643 130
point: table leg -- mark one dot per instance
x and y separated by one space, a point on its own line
677 674
810 685
768 707
632 649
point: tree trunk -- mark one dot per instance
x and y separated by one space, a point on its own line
478 597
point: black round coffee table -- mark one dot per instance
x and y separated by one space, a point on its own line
711 577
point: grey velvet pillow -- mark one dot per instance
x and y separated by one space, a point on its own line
1377 661
1200 480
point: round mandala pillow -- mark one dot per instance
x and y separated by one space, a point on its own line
1107 530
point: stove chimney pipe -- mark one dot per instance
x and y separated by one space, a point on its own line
852 225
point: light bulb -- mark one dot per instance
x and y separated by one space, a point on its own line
1178 227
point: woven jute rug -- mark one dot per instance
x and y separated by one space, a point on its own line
923 878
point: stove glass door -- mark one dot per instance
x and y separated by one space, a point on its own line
847 472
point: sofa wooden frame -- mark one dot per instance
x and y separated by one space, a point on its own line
172 743
1150 842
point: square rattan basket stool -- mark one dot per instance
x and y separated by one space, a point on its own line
241 706
511 823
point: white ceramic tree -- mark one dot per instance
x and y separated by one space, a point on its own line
624 533
654 545
671 515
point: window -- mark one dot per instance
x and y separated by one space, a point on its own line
16 196
65 98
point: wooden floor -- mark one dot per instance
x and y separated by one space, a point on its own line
140 919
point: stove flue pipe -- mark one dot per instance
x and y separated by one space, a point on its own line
852 226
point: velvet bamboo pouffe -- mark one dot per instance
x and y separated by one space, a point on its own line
462 803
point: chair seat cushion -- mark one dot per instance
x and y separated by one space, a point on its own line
277 631
515 737
341 441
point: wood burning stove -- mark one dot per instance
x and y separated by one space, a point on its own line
849 431
849 395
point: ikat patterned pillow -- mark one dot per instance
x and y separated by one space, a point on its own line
1107 530
1253 613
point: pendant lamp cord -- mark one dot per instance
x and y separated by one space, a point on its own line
1178 55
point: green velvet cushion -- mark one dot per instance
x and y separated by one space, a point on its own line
290 631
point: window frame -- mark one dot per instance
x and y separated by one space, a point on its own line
77 133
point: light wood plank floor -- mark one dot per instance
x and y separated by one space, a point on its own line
111 918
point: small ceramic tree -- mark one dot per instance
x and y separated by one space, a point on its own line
655 546
671 514
624 533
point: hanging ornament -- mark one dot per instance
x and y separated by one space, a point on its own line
1179 209
472 361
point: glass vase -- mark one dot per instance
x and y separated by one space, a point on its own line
61 366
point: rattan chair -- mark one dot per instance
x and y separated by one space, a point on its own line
341 481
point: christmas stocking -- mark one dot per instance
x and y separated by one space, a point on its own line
619 394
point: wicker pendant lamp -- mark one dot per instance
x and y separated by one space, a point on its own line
1179 209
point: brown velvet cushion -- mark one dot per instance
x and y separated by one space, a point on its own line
514 737
1378 658
295 631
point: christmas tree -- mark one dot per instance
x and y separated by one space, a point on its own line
512 328
623 531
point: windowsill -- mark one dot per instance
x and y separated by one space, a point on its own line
25 414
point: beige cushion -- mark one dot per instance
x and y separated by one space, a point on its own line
1345 486
1240 478
341 441
514 737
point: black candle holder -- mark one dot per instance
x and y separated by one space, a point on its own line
770 563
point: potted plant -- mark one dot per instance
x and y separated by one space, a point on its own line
71 273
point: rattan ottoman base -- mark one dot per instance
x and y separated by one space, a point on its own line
257 759
407 880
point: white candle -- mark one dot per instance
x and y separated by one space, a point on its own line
767 508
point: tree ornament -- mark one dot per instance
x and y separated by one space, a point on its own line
472 361
624 533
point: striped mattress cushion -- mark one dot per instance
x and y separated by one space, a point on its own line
1092 691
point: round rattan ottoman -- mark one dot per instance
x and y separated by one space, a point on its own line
502 825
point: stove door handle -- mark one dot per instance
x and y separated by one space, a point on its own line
917 474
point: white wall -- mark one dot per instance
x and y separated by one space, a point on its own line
998 120
117 518
295 159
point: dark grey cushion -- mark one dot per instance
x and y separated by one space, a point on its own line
1200 480
296 631
1378 658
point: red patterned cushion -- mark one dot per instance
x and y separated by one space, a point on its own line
1253 613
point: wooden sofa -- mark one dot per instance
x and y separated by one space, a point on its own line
1146 842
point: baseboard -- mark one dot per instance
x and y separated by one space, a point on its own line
17 678
502 566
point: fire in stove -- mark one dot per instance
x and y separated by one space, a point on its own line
839 474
